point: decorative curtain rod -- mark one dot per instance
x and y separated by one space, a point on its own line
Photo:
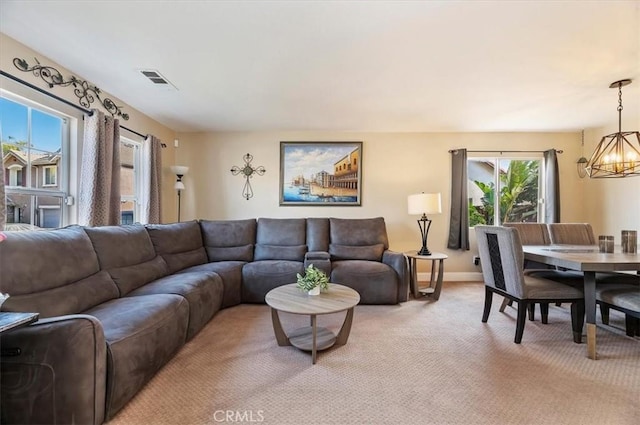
66 102
506 151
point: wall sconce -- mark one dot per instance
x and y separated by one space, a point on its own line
424 203
616 155
179 171
582 161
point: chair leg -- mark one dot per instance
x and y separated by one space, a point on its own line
532 311
631 325
577 320
544 312
505 303
523 306
488 297
604 314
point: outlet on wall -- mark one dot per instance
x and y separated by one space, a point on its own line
476 260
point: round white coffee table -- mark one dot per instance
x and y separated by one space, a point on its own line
290 299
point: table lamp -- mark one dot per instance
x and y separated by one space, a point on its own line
423 204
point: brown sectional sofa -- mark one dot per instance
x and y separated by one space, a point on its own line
117 302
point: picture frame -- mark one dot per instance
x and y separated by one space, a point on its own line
321 173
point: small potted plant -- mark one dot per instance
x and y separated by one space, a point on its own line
313 281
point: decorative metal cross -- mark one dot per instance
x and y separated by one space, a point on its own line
247 171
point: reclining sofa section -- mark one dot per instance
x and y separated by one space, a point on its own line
117 302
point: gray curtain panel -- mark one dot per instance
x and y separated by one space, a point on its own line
3 202
151 190
99 195
459 216
552 182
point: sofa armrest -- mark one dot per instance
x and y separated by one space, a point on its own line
320 259
398 262
54 371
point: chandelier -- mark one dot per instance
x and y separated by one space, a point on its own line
617 154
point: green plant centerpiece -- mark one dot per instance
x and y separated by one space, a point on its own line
313 281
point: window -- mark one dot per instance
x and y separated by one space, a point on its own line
519 195
50 175
35 142
130 184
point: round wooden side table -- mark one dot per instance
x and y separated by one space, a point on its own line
437 263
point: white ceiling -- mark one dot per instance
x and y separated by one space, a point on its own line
349 65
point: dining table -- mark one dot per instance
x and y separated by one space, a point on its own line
589 260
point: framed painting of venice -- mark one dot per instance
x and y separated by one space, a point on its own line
320 173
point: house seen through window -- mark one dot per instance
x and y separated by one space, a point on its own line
504 190
129 181
35 141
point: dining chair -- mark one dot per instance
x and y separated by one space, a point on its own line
571 234
530 234
502 260
622 297
538 234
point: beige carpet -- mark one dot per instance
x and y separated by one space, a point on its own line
421 362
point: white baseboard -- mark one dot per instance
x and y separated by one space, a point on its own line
454 277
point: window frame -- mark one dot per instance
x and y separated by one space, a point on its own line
137 178
62 173
497 183
54 173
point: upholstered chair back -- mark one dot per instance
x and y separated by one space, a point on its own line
127 254
179 244
572 233
532 233
229 240
281 239
357 239
318 234
52 272
502 258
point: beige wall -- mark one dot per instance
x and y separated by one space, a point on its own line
10 49
612 205
394 165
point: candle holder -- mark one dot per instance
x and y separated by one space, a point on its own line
629 241
605 244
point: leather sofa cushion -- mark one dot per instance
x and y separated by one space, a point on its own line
179 244
142 334
68 299
279 252
318 234
259 277
242 253
202 290
365 252
358 231
120 246
127 254
63 278
132 277
282 231
231 274
377 283
227 240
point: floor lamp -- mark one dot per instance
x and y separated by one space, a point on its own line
179 171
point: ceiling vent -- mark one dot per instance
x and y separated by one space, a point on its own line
157 79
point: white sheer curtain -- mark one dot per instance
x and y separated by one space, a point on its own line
151 165
99 196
